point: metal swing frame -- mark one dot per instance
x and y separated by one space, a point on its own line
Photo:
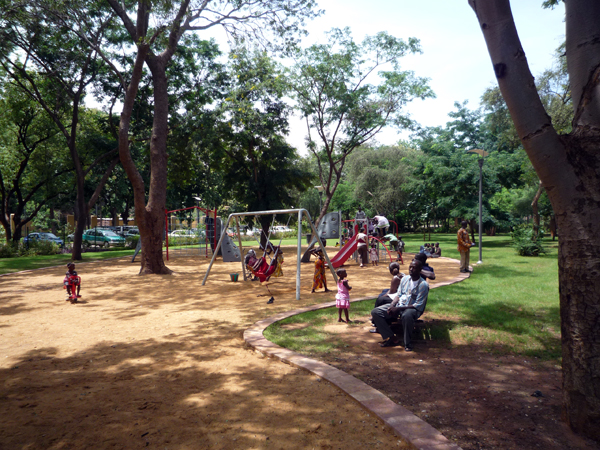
301 213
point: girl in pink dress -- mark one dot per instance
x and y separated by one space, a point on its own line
342 299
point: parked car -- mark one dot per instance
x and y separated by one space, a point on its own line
33 237
181 233
282 229
102 237
131 231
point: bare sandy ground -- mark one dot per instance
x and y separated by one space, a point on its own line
159 361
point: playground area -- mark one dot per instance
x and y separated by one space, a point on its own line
160 361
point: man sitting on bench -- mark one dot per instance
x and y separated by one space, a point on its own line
409 305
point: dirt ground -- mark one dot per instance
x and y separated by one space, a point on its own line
159 362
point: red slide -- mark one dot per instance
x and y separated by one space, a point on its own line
345 252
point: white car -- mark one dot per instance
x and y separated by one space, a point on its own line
282 229
181 233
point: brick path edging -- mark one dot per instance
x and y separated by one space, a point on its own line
402 422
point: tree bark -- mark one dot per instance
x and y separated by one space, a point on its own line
536 212
567 167
152 220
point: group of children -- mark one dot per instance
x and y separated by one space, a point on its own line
431 250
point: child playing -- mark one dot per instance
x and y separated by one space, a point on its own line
319 280
71 278
400 249
374 254
342 299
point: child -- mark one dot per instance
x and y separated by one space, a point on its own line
374 254
400 249
319 280
279 270
342 299
72 278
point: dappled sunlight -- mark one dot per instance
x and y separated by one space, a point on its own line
160 361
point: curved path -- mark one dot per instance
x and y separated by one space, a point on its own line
404 423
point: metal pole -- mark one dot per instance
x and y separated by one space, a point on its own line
237 224
480 207
298 262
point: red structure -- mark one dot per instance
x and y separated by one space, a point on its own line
209 213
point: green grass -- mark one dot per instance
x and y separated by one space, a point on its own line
16 264
509 305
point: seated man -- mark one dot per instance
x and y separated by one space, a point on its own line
437 251
409 305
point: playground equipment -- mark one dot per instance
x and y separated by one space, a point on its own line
202 236
300 213
329 228
228 250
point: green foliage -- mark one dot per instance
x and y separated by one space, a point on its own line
525 243
38 248
8 250
348 92
248 146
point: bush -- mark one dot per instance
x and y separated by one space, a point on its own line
524 242
38 248
7 250
131 241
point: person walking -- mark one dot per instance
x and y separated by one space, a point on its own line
464 246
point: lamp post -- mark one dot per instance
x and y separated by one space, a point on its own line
482 154
198 200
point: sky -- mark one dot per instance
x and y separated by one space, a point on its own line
454 57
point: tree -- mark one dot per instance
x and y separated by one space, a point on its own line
332 84
155 45
567 165
259 168
33 169
56 73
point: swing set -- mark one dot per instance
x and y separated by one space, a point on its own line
263 269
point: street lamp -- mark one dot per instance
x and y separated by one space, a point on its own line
482 154
198 200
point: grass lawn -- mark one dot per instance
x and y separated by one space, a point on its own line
16 264
509 305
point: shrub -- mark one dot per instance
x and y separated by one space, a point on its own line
131 241
524 242
38 248
7 250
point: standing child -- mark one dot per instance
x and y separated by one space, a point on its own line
342 299
319 280
374 254
72 279
400 249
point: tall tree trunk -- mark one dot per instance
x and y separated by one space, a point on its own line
567 166
553 227
152 217
536 212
